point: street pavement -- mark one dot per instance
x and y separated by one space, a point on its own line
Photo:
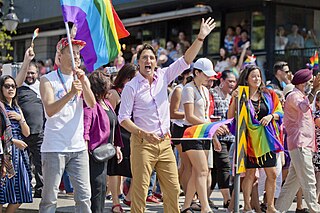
66 204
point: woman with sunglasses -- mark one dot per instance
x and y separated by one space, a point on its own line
263 137
18 189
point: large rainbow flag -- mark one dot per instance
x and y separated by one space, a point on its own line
99 26
204 131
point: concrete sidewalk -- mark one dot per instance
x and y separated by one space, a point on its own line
66 204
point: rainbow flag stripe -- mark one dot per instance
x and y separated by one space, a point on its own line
314 61
99 26
204 131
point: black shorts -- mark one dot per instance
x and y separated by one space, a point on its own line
267 160
177 132
195 145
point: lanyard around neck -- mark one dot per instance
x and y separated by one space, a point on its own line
63 82
61 78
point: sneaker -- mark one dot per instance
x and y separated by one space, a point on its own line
152 199
304 210
109 197
121 196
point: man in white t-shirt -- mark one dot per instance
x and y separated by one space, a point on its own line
63 146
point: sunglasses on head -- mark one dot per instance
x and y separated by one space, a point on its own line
8 86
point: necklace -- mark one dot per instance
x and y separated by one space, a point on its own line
257 109
104 105
205 100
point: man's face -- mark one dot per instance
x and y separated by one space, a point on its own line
284 73
65 57
32 75
147 63
308 86
169 46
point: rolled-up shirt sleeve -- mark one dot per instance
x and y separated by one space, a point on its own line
126 104
301 103
87 120
304 105
175 69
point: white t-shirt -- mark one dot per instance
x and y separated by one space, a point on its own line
190 94
64 131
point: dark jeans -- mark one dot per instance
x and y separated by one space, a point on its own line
98 174
221 167
34 142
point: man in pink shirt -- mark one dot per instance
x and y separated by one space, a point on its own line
145 98
300 128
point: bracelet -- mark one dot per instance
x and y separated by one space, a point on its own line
21 122
200 39
272 117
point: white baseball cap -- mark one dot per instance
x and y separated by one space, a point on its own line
206 66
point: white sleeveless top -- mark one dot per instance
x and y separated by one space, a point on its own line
178 122
64 131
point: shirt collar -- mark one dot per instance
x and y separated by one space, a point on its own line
141 78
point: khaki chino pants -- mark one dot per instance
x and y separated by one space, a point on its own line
145 157
301 174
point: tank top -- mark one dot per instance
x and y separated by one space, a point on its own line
64 130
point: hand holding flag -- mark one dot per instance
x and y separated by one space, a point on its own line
35 35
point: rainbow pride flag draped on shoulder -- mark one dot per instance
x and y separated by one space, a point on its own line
204 131
262 140
99 26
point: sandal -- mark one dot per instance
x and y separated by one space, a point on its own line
187 210
195 206
117 206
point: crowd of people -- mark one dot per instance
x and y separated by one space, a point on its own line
59 122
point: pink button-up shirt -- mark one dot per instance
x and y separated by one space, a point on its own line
148 104
298 121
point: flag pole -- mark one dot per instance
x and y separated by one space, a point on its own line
70 48
236 185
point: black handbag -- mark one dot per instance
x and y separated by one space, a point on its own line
105 151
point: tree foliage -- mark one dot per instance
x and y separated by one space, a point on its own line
5 45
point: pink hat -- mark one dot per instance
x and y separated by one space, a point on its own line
301 76
64 43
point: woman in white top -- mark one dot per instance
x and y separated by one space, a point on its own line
195 99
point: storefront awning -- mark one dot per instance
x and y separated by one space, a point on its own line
194 11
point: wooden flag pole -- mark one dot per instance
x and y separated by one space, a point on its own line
71 50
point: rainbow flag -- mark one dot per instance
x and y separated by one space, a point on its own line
204 131
314 61
35 34
99 26
251 59
264 139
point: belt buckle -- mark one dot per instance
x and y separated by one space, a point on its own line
165 137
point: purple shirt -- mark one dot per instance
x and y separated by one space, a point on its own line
97 126
298 121
149 103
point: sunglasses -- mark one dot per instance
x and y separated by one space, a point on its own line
8 86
